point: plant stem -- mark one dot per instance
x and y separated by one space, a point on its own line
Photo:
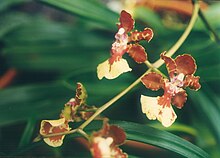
113 100
185 34
157 64
153 67
208 26
149 65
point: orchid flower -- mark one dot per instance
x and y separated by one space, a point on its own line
105 142
126 41
181 72
74 110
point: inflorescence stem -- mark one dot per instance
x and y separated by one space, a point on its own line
153 67
185 34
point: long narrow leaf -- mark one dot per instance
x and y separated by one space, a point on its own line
91 9
153 136
209 111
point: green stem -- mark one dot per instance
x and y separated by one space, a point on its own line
154 67
185 34
113 100
149 65
208 26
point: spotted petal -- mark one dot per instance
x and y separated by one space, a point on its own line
179 99
126 21
185 64
153 81
137 52
100 147
118 134
167 116
53 127
192 82
105 142
164 114
137 36
170 64
81 94
112 71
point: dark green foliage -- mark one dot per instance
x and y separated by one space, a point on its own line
51 55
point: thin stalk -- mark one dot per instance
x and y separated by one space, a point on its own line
149 65
185 34
208 26
113 100
154 67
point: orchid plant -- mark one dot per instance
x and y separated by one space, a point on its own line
106 141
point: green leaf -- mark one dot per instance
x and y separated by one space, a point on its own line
45 101
208 110
11 21
45 45
27 134
153 136
150 18
39 101
89 9
5 4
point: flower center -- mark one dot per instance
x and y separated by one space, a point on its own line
119 47
175 85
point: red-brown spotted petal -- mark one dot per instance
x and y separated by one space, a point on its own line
153 81
137 52
185 64
126 21
117 134
81 94
192 82
147 35
170 64
117 152
53 127
179 99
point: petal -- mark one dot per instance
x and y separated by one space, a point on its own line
153 81
100 147
150 107
185 64
192 82
118 153
126 21
147 35
110 72
52 127
179 99
164 114
170 64
167 116
137 52
81 94
67 113
118 134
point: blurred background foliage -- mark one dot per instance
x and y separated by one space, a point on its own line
46 46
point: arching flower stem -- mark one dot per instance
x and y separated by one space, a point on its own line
185 34
150 66
153 67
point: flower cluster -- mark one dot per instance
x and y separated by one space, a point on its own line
74 110
181 72
125 41
105 142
